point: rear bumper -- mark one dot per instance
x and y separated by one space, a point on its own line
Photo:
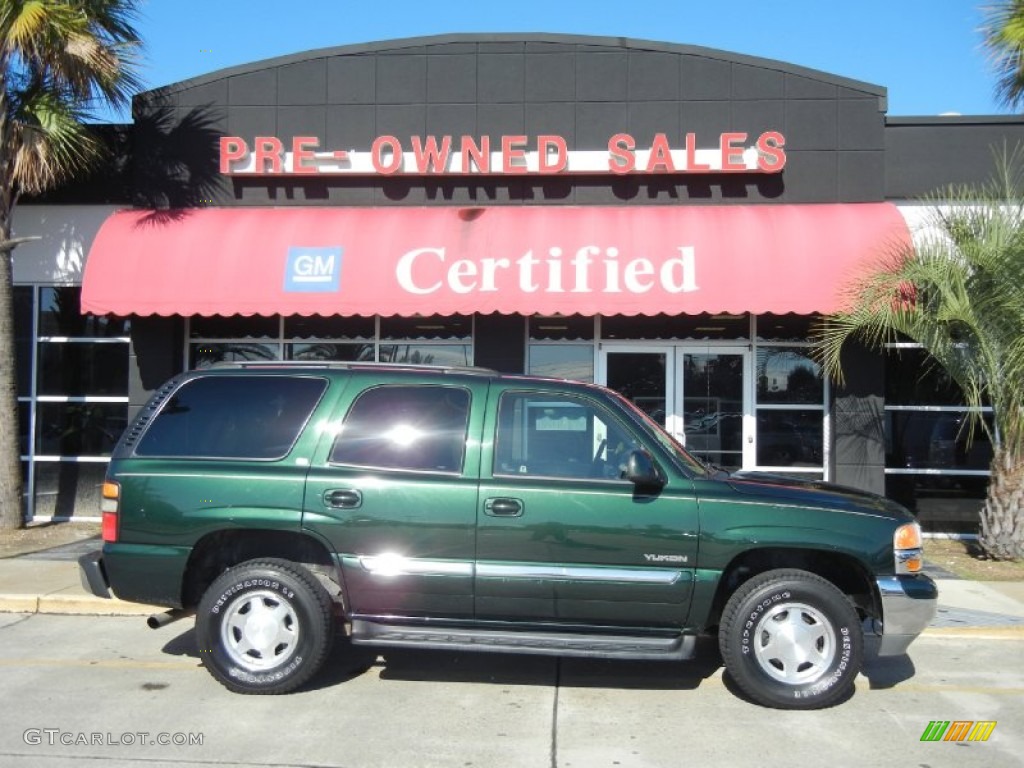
908 606
94 575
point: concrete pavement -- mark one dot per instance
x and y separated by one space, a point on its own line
48 582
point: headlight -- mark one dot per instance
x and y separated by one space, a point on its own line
906 544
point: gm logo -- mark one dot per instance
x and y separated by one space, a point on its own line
313 270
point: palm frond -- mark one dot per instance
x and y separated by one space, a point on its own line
959 293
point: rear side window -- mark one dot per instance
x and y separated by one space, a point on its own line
405 427
236 417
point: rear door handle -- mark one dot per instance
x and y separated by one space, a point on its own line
343 498
503 507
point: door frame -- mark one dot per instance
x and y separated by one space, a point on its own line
674 396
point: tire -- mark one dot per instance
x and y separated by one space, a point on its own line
816 668
264 627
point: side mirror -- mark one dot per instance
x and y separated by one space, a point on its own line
642 471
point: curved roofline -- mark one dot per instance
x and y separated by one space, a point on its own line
525 37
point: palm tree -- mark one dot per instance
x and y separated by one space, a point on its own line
1003 32
59 60
959 293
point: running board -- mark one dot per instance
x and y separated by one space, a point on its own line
674 648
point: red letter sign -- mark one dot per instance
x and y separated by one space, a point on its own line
232 148
301 154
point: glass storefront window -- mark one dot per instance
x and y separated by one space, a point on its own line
234 327
913 378
788 375
788 327
23 339
79 428
947 503
72 379
934 440
81 368
433 340
789 438
427 354
206 354
561 327
330 328
704 326
562 361
60 314
326 351
434 327
931 465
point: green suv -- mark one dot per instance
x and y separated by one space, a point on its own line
419 507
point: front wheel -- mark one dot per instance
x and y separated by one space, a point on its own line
264 626
792 640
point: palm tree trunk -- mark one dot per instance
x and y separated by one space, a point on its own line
1002 517
11 512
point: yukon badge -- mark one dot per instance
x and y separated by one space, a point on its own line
665 558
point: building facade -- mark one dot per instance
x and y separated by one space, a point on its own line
664 219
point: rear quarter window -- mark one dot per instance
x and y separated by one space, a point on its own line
236 417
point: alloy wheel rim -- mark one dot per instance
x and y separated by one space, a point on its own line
260 631
794 643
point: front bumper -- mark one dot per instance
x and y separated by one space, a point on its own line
908 606
94 575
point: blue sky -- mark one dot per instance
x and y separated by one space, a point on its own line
926 52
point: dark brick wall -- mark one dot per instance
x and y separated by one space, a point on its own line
924 154
156 355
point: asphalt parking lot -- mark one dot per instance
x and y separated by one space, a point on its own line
90 688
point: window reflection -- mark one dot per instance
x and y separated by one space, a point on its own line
934 440
79 429
942 503
60 314
789 438
405 427
563 361
204 355
788 375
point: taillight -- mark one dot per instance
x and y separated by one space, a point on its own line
109 507
906 543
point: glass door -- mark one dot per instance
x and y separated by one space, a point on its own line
700 394
716 406
645 375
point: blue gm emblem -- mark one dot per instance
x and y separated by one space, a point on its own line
313 270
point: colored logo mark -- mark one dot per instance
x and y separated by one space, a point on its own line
958 730
313 270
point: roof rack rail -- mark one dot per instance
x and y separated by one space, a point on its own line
354 365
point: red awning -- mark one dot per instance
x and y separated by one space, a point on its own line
405 261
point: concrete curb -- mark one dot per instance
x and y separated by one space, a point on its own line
1012 632
75 605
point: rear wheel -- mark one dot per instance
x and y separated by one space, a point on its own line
791 639
264 626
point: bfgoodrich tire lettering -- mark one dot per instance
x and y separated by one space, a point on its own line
791 640
264 626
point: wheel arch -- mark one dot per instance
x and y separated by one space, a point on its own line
216 552
844 571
